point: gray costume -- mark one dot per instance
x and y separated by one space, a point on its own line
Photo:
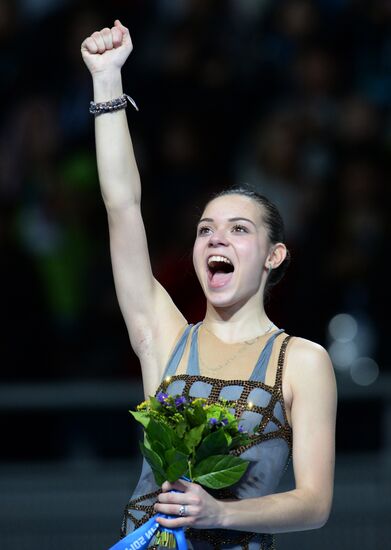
269 451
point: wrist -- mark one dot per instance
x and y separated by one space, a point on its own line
221 521
107 85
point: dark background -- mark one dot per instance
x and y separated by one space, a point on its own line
292 97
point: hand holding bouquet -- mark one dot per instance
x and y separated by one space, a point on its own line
186 438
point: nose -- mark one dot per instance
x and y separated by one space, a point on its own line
218 238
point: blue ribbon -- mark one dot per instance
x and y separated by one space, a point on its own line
141 537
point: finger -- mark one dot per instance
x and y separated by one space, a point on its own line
89 45
107 38
117 36
120 26
99 41
167 486
174 523
172 509
171 498
125 33
180 485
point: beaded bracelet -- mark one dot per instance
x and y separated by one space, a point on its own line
112 105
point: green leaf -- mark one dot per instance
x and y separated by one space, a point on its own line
159 478
180 429
175 471
179 443
173 455
177 464
215 410
213 444
196 415
153 458
193 437
156 431
155 462
238 440
155 403
146 442
228 439
142 417
181 447
159 449
216 472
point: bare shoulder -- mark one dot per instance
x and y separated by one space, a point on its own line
305 350
308 364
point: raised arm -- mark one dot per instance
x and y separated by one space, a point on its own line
152 319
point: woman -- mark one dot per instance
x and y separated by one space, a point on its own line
291 389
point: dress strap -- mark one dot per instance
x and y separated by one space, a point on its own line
280 363
193 367
259 372
177 353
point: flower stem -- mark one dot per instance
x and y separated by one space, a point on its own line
190 472
163 538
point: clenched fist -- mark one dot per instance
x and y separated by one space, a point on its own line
107 49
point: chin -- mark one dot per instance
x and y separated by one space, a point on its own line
224 298
229 297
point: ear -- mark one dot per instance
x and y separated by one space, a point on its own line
276 255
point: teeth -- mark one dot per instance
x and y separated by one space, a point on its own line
219 259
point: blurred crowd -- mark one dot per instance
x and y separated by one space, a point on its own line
290 96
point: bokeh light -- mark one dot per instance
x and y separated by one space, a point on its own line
343 327
343 354
364 371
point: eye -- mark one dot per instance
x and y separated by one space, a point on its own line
203 230
239 229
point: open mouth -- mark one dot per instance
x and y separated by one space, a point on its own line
220 271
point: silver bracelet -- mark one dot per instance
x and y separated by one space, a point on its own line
112 105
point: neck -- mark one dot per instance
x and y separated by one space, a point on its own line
235 324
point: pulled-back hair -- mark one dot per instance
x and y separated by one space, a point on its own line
273 222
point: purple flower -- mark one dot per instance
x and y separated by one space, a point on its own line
180 401
240 429
224 421
213 421
161 397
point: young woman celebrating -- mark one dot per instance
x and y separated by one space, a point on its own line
285 385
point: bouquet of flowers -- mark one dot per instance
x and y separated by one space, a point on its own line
189 438
186 438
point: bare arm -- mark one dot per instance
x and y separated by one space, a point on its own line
313 422
152 319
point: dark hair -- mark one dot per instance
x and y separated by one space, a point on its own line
273 222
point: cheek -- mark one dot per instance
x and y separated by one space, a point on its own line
198 261
196 254
249 250
251 257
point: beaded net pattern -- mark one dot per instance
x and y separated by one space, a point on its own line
140 509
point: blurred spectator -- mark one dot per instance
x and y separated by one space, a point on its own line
291 96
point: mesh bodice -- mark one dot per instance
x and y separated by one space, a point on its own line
255 404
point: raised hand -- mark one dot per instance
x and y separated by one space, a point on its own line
107 49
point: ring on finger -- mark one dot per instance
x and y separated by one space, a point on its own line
182 510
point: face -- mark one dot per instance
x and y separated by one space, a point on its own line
230 250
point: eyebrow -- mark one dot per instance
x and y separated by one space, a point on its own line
238 219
